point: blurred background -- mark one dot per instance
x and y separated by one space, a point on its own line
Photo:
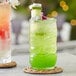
63 10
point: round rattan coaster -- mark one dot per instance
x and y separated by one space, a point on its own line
50 71
8 65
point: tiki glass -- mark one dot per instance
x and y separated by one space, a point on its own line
43 37
5 38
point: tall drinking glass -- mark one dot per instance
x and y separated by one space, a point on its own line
5 38
43 37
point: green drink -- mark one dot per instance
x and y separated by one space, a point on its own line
43 36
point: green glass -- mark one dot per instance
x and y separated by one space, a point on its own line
43 39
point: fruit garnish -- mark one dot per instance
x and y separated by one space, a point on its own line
43 17
35 6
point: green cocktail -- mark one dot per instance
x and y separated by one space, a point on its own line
43 36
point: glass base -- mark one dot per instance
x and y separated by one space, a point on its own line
44 68
5 58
